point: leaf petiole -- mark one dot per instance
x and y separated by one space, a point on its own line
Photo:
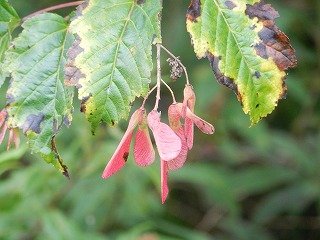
146 97
169 88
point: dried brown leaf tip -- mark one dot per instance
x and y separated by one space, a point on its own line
194 10
275 43
176 69
62 166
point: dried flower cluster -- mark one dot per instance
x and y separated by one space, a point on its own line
176 69
173 142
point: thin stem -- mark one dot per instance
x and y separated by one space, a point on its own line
146 97
178 60
52 8
169 88
158 76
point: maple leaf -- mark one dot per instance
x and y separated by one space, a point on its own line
247 51
110 61
38 102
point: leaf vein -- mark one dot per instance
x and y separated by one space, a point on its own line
117 50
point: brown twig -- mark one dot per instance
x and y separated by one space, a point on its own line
52 8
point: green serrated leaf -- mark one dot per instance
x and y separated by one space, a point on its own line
38 102
9 20
246 50
110 61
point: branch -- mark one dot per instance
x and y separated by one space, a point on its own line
158 77
52 8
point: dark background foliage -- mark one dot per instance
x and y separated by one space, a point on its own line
244 183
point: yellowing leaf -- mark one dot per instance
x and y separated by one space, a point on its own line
247 51
110 61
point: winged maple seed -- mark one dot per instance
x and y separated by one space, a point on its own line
164 181
169 147
174 120
121 154
168 143
14 137
143 149
204 126
188 101
175 113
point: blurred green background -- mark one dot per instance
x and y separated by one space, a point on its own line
240 183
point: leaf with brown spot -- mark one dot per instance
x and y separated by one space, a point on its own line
276 44
113 67
39 102
71 73
247 51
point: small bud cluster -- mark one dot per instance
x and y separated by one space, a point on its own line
173 142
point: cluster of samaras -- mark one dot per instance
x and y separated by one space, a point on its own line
173 142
